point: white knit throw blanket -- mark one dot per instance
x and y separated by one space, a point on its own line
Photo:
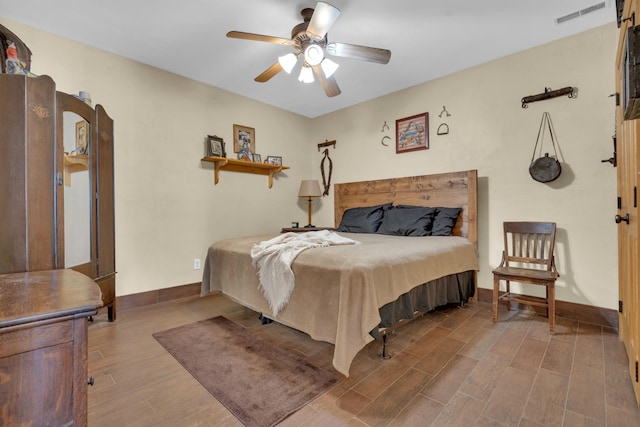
272 258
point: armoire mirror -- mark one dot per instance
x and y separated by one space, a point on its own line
76 218
77 190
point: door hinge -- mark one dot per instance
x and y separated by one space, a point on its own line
619 306
635 197
619 202
636 371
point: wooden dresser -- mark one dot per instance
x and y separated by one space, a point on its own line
43 347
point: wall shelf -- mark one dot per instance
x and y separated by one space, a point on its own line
74 163
225 164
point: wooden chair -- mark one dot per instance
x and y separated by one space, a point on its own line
527 258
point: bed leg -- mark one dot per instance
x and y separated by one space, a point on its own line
264 320
384 355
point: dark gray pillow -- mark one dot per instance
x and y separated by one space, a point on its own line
444 221
363 220
407 221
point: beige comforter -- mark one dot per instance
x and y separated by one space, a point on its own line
339 289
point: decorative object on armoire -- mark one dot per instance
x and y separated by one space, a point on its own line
13 65
23 52
85 97
571 92
545 168
215 146
310 40
309 189
244 138
43 228
412 133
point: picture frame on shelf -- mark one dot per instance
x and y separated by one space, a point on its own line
412 133
245 155
215 146
82 137
274 160
257 158
244 138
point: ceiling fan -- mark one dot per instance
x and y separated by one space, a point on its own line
310 40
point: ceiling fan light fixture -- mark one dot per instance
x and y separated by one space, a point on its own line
306 75
287 62
328 67
313 54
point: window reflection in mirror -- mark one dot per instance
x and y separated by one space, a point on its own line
77 190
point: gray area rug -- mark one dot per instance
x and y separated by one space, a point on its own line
260 383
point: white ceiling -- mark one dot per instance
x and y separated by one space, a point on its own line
428 39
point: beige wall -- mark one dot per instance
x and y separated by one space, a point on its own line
168 211
490 132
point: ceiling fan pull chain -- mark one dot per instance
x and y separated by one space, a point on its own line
326 183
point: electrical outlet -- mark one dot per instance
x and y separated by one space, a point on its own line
196 264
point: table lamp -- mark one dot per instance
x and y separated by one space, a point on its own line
309 188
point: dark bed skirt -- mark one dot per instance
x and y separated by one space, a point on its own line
453 289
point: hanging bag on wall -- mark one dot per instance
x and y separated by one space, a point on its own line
545 169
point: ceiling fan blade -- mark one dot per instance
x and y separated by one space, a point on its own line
324 15
269 72
329 84
258 37
364 53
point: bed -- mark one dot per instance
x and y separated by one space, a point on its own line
347 295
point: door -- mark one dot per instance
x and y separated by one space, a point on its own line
628 134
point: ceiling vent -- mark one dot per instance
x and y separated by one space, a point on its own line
581 12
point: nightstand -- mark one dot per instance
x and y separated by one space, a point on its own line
304 229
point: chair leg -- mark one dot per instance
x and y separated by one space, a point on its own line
551 309
496 291
508 291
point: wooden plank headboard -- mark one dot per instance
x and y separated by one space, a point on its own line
453 189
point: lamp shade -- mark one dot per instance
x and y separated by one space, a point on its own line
306 75
309 188
287 62
328 67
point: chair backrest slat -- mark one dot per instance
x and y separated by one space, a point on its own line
529 243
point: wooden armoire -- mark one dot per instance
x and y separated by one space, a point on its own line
57 192
628 170
56 216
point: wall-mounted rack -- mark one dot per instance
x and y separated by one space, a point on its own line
548 94
326 144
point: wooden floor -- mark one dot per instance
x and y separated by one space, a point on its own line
453 367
